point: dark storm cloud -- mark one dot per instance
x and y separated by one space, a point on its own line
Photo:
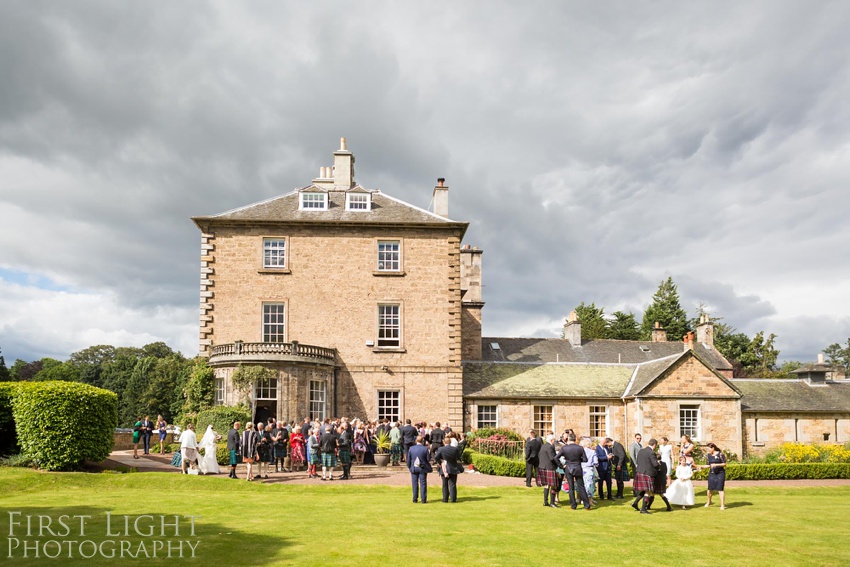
595 149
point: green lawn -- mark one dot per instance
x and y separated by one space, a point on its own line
338 524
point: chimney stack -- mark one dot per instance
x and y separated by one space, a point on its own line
820 358
343 169
705 330
441 198
659 335
572 329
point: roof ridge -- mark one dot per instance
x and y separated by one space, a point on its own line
263 202
421 210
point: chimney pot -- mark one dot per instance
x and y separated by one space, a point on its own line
342 144
820 358
441 181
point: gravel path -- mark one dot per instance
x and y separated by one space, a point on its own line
398 476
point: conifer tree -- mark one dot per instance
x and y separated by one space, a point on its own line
666 309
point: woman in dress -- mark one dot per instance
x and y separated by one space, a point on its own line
716 474
209 463
588 469
137 436
249 448
360 442
665 452
296 447
687 449
264 449
681 490
315 453
162 429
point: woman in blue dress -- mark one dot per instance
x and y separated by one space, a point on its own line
716 474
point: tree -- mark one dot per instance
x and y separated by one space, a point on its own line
837 356
623 327
760 358
52 369
90 363
592 319
23 370
732 345
199 390
666 309
5 375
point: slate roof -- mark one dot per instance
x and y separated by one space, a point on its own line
596 350
385 210
504 380
647 373
793 396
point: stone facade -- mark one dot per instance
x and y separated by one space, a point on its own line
764 431
519 414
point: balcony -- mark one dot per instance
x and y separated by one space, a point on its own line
246 353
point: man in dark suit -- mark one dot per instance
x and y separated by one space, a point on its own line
647 468
450 461
532 456
419 466
147 431
436 437
408 437
233 444
574 456
619 466
603 455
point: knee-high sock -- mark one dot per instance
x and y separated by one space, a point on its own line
546 496
651 500
645 504
639 496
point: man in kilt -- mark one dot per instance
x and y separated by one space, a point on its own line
619 466
647 469
546 475
660 486
328 445
345 440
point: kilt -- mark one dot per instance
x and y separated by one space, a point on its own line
315 458
395 450
279 451
328 460
622 475
659 484
643 483
344 457
546 477
233 459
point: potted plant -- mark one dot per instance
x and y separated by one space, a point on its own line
382 448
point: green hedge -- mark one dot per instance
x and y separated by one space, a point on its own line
782 471
8 436
62 424
220 417
485 432
491 464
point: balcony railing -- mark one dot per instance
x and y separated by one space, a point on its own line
271 352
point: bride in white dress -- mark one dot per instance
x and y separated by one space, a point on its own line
209 464
681 491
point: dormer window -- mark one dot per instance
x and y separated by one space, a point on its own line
314 201
358 201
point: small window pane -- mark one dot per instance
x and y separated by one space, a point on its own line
357 201
274 253
487 416
389 256
313 200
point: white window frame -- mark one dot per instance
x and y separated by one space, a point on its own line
388 260
266 389
694 432
537 425
313 201
495 412
393 413
317 405
382 327
275 247
265 334
358 202
593 411
219 391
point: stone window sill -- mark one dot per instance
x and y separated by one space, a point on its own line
388 274
388 349
274 271
757 444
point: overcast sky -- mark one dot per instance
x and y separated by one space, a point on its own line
595 148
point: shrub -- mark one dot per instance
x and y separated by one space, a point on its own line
62 424
782 471
499 466
220 417
802 453
8 436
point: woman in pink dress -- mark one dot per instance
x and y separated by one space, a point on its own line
296 443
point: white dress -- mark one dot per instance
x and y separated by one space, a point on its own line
209 464
681 491
666 452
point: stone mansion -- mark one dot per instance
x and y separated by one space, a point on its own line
364 305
